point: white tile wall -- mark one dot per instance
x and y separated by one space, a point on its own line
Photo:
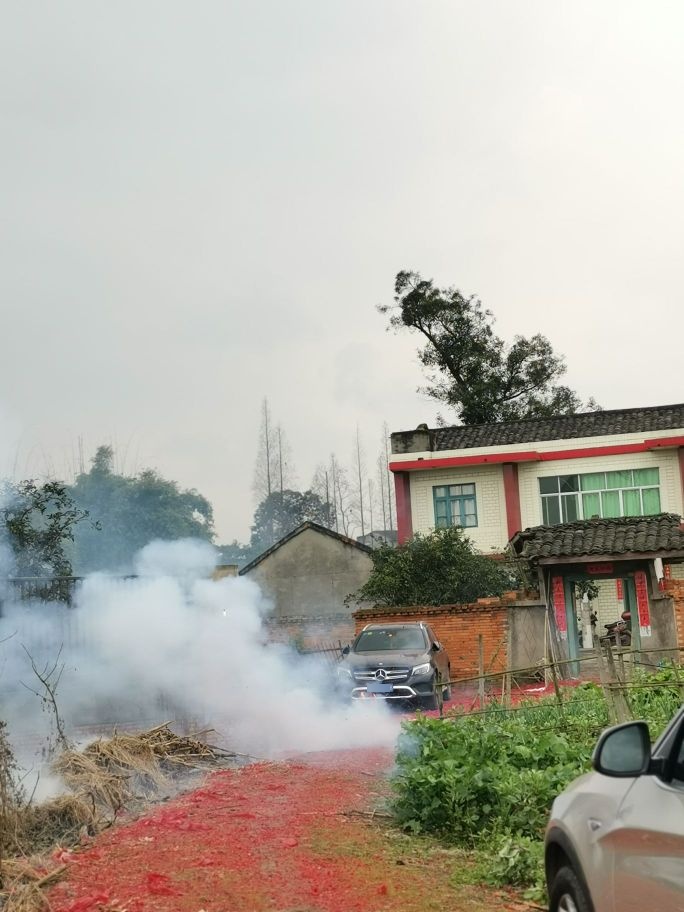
491 531
666 461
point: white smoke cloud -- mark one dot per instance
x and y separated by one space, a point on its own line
172 644
185 558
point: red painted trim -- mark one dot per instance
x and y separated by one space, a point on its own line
402 489
658 442
512 495
681 469
447 462
618 449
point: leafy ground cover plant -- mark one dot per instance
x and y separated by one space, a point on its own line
486 781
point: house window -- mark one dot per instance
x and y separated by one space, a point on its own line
455 505
630 492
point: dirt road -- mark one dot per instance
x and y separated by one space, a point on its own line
296 836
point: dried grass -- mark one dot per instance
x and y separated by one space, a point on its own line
126 770
24 885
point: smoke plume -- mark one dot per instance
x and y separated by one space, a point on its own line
170 643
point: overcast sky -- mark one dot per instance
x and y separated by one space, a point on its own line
202 203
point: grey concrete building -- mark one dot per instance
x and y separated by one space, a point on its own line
310 572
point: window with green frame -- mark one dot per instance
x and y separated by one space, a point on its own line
628 492
455 505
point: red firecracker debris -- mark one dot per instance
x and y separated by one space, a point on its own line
272 836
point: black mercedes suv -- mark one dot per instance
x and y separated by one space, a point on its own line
396 662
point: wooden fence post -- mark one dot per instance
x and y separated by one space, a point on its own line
623 712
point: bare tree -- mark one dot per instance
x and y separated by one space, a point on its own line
360 474
382 486
265 470
370 502
284 466
273 470
389 481
342 501
322 485
49 677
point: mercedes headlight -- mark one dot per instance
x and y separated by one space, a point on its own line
423 669
343 672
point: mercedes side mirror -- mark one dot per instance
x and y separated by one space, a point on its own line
623 751
346 650
435 647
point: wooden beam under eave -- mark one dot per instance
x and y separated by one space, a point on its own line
678 557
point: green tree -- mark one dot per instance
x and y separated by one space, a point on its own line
442 568
132 511
472 369
281 512
40 521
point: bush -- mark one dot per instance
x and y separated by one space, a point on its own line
438 569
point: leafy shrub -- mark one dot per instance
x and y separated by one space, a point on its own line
463 779
437 569
516 861
487 781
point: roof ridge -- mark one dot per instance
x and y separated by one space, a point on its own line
568 417
293 533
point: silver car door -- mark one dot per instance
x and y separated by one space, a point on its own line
647 846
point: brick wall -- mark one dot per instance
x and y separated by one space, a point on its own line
675 589
458 628
309 632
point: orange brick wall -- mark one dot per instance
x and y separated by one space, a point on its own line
458 628
675 588
311 632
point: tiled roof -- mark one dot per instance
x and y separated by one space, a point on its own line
561 427
309 524
628 535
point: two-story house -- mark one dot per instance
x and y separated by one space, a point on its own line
497 479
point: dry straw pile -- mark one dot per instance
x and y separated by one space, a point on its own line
126 770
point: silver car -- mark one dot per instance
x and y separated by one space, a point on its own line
615 840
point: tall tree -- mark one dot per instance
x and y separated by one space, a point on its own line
381 468
469 367
342 499
283 511
389 481
360 475
265 469
132 510
273 470
39 522
322 486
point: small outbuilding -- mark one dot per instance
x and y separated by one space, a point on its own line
308 574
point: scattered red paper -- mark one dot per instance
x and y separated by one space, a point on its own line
88 903
294 847
160 885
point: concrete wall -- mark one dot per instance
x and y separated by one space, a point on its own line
663 631
527 647
311 575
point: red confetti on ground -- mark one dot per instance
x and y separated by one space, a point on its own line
273 836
